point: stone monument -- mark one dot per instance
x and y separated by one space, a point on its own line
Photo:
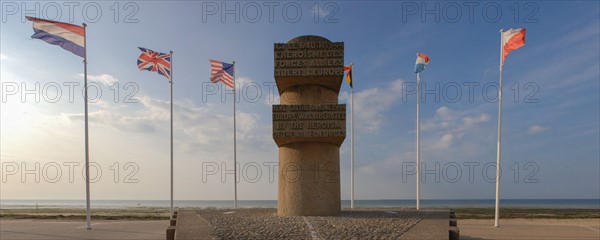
309 125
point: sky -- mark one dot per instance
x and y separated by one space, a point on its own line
550 119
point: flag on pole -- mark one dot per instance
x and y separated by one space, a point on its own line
68 36
225 72
421 63
512 39
161 63
155 62
71 38
221 72
348 70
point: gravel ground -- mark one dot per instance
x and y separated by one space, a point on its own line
265 224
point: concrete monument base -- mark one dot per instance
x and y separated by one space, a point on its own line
309 180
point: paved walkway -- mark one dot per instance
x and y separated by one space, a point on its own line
190 226
530 229
263 223
67 230
434 225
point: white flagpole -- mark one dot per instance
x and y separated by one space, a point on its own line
88 216
352 142
418 142
234 144
171 81
497 213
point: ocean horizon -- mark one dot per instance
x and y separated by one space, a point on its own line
381 203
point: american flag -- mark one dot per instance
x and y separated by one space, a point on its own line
222 72
155 62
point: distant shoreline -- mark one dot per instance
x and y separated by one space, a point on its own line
382 203
161 213
159 209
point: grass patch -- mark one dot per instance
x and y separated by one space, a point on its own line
141 213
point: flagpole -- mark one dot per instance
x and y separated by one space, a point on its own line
497 212
88 216
352 143
171 81
234 144
418 141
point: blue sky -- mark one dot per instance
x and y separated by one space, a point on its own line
550 129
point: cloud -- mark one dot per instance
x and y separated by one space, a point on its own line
441 120
243 81
372 104
445 113
471 121
452 120
4 57
105 79
247 121
535 129
194 126
115 121
153 113
450 131
444 142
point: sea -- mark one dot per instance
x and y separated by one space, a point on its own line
383 203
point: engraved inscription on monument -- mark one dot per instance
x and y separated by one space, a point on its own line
309 59
309 121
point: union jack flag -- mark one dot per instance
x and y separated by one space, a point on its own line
155 62
222 72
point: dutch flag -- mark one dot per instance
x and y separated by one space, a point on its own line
68 36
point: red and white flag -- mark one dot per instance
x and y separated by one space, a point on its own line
512 39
